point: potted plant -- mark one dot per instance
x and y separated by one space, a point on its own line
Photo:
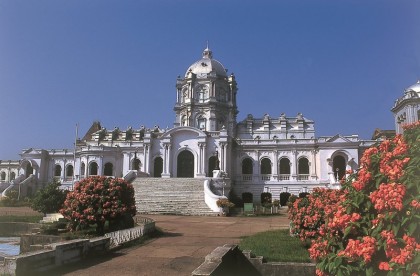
224 204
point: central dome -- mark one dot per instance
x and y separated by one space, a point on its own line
207 65
415 87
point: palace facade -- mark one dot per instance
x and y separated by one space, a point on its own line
272 153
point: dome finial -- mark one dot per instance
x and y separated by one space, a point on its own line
207 53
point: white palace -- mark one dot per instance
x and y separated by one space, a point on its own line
272 153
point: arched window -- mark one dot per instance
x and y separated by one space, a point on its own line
135 164
303 169
82 169
69 171
339 167
184 120
284 166
57 170
12 176
93 168
265 166
108 169
3 176
201 123
247 166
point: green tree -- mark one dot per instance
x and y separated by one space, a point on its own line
49 199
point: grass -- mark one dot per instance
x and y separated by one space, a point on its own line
276 246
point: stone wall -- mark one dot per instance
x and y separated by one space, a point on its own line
56 254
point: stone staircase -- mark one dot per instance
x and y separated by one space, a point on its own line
175 196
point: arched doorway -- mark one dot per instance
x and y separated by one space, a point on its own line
57 170
212 165
108 169
339 167
135 164
29 170
185 164
158 167
93 168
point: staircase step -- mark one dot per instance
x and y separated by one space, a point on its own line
181 196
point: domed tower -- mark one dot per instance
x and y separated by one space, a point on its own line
206 96
407 108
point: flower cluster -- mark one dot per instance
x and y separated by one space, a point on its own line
359 249
307 214
372 225
388 197
98 199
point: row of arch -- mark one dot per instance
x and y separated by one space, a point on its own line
3 176
339 166
93 168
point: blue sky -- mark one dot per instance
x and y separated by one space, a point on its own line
340 63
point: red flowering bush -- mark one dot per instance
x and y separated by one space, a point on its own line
373 228
98 199
307 214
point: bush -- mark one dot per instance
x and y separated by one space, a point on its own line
49 199
224 203
284 197
11 199
247 197
96 200
373 230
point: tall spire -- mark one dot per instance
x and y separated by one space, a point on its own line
207 53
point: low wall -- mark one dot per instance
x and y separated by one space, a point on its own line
17 228
229 260
56 254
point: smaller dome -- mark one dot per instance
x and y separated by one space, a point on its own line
207 65
415 87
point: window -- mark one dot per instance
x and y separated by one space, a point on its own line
69 171
183 120
3 176
93 168
303 166
201 122
247 166
108 169
57 170
265 166
82 169
339 167
12 176
284 166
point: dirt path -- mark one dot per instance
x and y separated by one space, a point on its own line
182 248
187 240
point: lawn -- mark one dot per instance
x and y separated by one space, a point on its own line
276 246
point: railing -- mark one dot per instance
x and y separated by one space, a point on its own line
265 177
246 177
283 177
302 177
